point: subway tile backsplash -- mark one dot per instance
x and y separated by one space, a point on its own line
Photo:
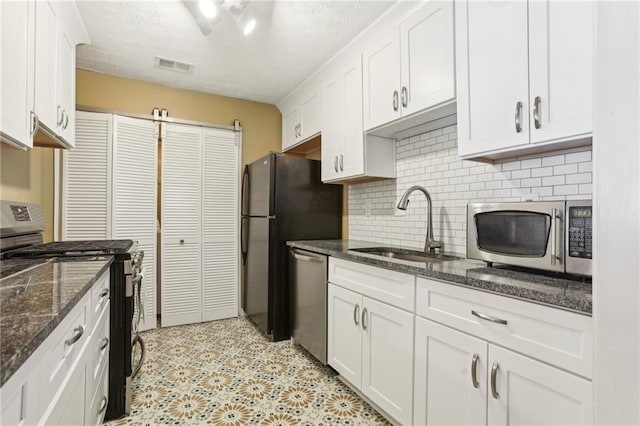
431 160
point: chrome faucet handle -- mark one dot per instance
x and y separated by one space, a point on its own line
431 245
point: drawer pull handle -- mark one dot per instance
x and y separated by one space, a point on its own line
489 318
104 344
79 331
103 404
356 315
474 369
104 293
494 374
364 318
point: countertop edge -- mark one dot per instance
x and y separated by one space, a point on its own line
513 292
13 364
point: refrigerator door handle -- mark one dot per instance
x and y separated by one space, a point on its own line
244 238
244 208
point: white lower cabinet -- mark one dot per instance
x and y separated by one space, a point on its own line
66 380
469 377
344 345
475 358
526 391
461 379
387 358
448 389
370 344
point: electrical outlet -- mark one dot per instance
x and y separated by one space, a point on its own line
367 208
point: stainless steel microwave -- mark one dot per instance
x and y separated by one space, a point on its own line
550 235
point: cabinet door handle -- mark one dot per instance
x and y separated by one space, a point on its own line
405 96
103 404
59 115
79 331
395 100
356 315
335 163
104 293
66 119
488 318
474 370
518 117
35 123
341 163
536 112
104 343
494 374
364 318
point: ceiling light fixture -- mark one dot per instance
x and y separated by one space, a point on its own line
208 9
246 24
205 13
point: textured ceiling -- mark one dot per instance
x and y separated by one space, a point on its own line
291 40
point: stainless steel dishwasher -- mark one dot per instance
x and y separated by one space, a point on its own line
308 287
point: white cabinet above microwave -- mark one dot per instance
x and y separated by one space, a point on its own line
524 75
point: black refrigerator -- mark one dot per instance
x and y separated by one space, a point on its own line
283 198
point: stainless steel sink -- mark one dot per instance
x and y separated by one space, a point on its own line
404 254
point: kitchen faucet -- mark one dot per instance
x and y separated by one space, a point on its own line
430 244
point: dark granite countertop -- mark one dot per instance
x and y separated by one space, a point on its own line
35 295
573 294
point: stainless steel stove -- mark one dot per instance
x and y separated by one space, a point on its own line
21 229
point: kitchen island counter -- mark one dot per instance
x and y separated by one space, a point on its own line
35 296
559 291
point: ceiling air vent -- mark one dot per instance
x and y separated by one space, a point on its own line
171 65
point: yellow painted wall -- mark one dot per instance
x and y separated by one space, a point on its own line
28 176
261 123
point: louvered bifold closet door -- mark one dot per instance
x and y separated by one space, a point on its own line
135 200
86 180
220 214
181 284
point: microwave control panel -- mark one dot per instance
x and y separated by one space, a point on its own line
580 232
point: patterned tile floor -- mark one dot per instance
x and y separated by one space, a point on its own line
225 373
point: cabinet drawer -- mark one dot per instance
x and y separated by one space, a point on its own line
558 337
99 344
64 347
391 287
100 294
98 405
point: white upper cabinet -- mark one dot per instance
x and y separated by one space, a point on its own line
346 152
290 121
48 110
382 81
39 39
427 58
524 75
561 36
65 87
411 69
16 72
301 118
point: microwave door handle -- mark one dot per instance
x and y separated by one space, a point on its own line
554 235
